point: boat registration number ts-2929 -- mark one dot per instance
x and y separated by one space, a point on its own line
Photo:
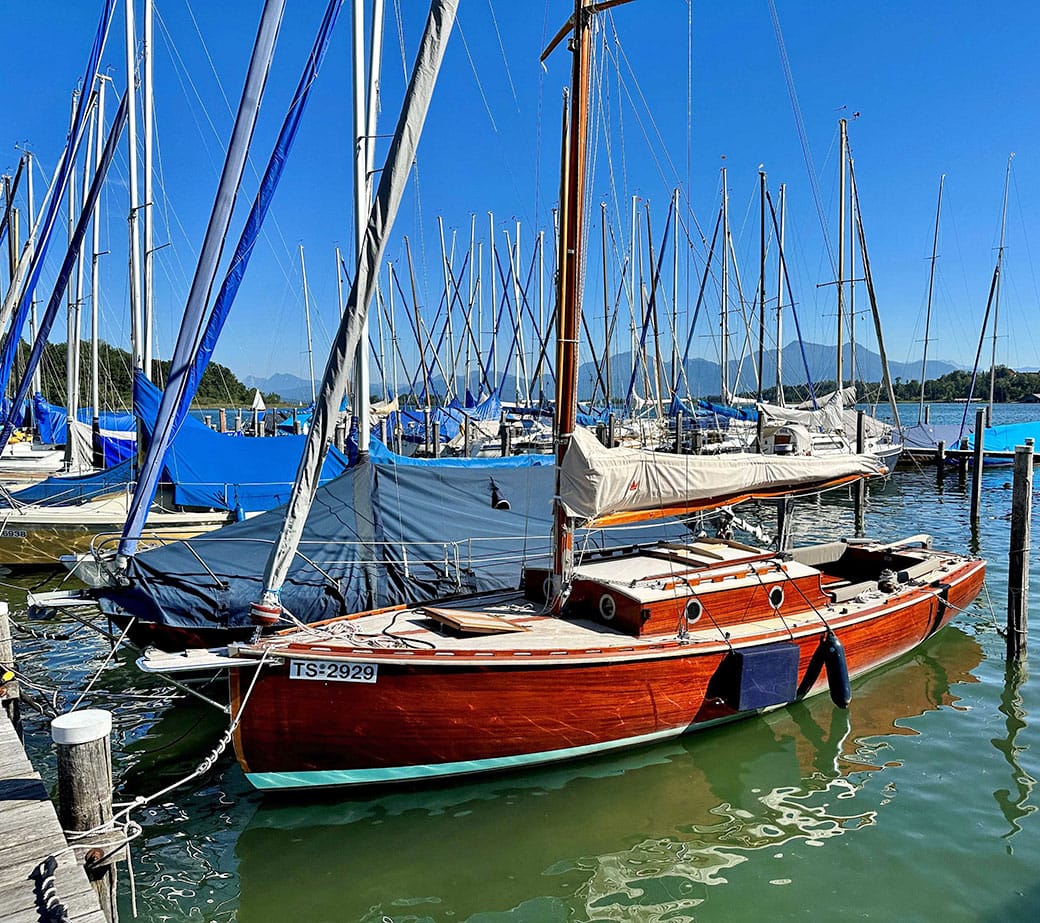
340 671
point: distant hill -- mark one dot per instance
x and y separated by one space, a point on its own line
704 377
219 386
290 388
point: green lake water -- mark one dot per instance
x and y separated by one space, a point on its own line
915 804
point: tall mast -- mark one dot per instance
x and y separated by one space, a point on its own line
675 295
95 257
310 344
495 383
780 300
72 308
724 312
996 292
339 282
928 309
842 158
542 334
606 303
761 280
364 131
147 104
568 301
31 243
136 320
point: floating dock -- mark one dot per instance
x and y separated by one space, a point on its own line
29 834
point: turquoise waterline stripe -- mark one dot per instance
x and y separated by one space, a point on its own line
272 780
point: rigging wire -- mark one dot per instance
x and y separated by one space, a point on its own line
803 138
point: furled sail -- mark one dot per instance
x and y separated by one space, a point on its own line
30 264
601 485
205 272
251 231
388 197
69 263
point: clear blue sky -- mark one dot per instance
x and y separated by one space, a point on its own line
939 87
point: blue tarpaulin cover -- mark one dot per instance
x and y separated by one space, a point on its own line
222 471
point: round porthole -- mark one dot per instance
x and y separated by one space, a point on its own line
693 611
776 597
607 607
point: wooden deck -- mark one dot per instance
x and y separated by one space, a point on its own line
29 833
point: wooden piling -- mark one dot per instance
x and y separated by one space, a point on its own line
81 739
760 434
940 461
784 508
9 691
467 440
238 421
436 439
427 448
258 429
503 433
1018 551
861 486
222 419
927 414
610 430
678 432
207 418
601 433
976 474
296 428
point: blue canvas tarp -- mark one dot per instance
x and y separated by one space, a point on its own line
53 425
63 491
223 471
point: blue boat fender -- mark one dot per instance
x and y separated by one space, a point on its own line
837 670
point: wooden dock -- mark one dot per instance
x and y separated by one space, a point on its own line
29 833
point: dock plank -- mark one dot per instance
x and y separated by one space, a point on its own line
29 833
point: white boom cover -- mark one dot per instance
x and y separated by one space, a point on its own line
596 481
828 418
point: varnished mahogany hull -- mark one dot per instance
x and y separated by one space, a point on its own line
436 720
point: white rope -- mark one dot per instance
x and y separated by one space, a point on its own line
107 660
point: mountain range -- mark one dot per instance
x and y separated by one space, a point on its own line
702 375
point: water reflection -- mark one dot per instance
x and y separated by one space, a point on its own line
647 835
1014 803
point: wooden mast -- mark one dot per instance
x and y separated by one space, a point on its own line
568 288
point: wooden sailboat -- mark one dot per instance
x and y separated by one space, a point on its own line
621 650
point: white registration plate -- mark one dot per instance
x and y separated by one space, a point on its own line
340 671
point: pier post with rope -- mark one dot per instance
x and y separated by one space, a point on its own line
82 741
976 474
1018 551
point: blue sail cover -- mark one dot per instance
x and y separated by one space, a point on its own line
730 413
52 421
53 204
225 471
195 342
451 418
425 516
66 491
1006 437
62 281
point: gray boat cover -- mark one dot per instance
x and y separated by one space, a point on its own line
439 528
